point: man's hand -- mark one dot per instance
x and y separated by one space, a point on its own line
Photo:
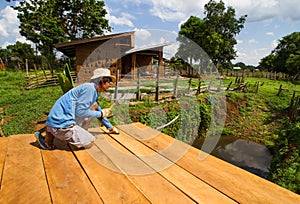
105 112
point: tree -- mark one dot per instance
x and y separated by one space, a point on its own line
285 57
216 32
46 22
189 49
18 53
267 63
287 54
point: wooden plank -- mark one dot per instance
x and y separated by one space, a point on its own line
156 188
3 149
182 179
23 175
112 186
235 182
67 181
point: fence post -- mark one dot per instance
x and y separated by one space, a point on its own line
175 85
280 89
291 108
27 74
199 87
117 84
190 82
44 72
157 83
138 94
256 91
228 87
36 74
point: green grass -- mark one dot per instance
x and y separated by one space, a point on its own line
21 107
260 117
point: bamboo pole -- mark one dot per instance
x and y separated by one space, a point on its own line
36 74
117 84
27 74
138 93
175 85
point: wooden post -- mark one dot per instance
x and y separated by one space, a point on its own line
292 108
36 74
44 72
199 87
175 85
190 82
27 74
117 84
157 83
228 87
138 94
280 90
134 68
256 91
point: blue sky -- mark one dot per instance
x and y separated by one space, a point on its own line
267 21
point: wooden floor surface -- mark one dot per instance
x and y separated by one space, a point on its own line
140 165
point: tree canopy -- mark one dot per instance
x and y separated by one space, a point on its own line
285 57
215 33
46 22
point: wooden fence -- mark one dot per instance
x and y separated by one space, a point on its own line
155 88
258 74
39 79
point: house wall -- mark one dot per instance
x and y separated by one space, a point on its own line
97 55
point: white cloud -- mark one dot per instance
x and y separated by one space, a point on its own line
252 41
8 23
142 34
256 10
9 28
176 10
270 33
124 19
274 44
239 41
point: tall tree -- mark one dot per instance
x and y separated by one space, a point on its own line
46 22
287 54
216 32
189 49
18 53
225 26
267 63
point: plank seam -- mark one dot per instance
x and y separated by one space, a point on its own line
151 168
126 175
81 166
4 161
176 165
41 151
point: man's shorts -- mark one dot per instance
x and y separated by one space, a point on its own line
74 135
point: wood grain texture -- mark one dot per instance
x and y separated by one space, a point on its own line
3 151
179 177
113 186
67 181
154 186
233 181
23 175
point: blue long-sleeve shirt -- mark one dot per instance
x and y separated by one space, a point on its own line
76 103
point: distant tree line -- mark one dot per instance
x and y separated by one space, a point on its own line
47 22
285 57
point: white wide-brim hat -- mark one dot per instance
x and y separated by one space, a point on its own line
103 72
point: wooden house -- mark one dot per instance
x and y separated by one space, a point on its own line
115 52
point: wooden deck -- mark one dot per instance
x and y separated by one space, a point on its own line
140 165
